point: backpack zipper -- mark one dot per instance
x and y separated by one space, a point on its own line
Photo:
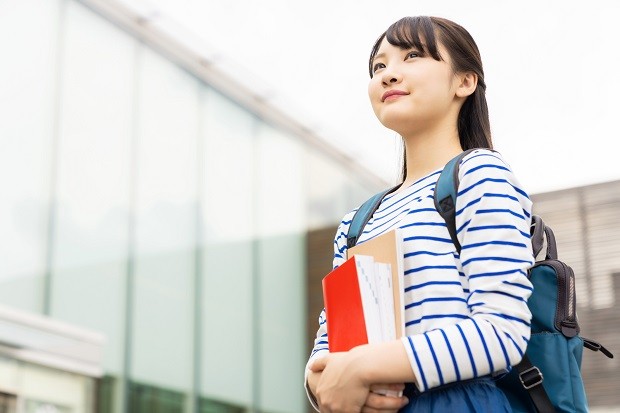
565 319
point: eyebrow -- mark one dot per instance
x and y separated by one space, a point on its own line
382 54
378 56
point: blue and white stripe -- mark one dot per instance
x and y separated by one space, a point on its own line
466 316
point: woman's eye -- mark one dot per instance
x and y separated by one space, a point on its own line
411 55
377 66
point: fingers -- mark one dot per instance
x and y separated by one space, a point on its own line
318 364
376 403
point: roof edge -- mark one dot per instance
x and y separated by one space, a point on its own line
202 67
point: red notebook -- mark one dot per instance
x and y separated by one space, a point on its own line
347 290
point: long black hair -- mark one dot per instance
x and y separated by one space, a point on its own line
473 123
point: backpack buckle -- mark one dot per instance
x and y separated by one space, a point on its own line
531 377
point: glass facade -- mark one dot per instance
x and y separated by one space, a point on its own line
140 202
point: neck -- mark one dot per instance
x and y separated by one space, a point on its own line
429 150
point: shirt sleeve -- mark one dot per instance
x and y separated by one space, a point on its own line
493 216
321 345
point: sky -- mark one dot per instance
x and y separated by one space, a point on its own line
552 70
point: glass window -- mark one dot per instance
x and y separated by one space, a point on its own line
228 254
91 224
280 166
106 394
34 406
150 399
28 37
331 191
281 276
211 406
166 217
8 403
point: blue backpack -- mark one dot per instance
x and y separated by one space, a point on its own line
548 378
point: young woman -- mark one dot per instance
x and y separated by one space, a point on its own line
466 314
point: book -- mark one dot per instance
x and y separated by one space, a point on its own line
364 297
383 281
352 304
388 248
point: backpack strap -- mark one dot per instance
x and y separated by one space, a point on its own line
446 190
531 379
363 214
594 346
537 234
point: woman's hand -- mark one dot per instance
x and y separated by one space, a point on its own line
313 380
342 387
378 403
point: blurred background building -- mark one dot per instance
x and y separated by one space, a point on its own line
157 207
164 229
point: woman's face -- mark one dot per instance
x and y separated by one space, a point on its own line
411 92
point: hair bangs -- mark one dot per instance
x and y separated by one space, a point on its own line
408 33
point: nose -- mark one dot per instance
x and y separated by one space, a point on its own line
389 77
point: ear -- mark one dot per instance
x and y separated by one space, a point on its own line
467 86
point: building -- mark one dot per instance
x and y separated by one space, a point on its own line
158 206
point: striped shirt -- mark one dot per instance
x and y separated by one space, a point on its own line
466 315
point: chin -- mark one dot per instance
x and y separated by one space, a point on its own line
398 122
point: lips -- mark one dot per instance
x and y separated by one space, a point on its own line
391 93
